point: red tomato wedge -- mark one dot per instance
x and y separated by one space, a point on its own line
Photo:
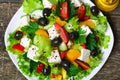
62 32
81 12
40 67
64 10
63 54
18 47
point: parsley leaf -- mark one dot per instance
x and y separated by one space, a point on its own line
72 10
30 30
73 70
33 65
82 38
91 43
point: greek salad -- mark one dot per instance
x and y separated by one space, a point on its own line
59 39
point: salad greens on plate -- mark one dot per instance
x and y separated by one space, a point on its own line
59 39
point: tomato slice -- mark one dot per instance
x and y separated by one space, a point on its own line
62 32
40 67
81 12
18 47
64 10
63 54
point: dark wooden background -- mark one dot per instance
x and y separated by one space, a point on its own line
110 71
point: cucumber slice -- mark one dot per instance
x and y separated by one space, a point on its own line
62 47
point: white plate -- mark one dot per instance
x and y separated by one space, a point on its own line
14 23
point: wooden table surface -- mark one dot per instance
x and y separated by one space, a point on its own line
8 71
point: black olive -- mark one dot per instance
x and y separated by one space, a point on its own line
56 41
73 35
43 21
94 10
18 35
46 12
46 71
94 52
66 64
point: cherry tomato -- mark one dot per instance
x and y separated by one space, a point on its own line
81 12
64 10
62 32
62 55
18 47
40 67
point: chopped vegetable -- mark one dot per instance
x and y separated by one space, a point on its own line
18 47
31 5
62 32
64 10
42 32
72 25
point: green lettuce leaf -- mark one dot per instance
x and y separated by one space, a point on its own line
82 38
51 20
72 25
30 30
54 1
43 44
12 41
101 24
31 5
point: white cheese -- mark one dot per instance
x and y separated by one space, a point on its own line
53 33
32 52
24 21
77 3
55 57
47 4
37 14
87 29
25 41
85 53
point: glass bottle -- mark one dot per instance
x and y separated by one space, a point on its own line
107 5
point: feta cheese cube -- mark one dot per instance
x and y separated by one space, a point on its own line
77 3
37 14
55 57
85 53
47 4
24 21
32 52
53 33
25 41
87 29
